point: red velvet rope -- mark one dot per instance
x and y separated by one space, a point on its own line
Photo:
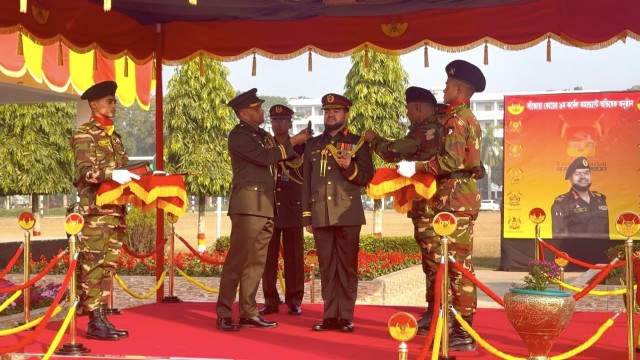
437 301
12 262
45 320
577 262
196 253
142 256
478 284
601 276
39 276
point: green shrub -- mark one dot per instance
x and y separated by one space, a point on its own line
141 230
618 251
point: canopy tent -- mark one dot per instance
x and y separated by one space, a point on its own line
174 31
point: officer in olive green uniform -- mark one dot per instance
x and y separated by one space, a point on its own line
337 165
421 143
254 153
98 152
457 166
580 213
288 224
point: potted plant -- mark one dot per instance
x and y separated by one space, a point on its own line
537 313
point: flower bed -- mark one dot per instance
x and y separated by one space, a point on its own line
39 296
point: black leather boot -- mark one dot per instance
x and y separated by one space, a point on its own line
112 329
425 320
460 340
97 329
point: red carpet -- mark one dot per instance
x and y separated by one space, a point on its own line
188 330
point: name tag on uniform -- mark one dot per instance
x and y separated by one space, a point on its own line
580 210
104 142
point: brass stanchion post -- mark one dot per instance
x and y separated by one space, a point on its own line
536 243
27 221
311 258
402 327
73 225
171 298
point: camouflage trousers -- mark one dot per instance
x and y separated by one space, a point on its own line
462 291
99 248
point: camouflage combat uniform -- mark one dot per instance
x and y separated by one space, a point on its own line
96 155
420 144
456 167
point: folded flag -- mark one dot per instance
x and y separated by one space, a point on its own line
387 182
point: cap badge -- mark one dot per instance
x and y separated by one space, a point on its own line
452 71
584 162
278 109
330 98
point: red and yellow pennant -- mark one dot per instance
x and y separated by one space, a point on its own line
163 192
387 182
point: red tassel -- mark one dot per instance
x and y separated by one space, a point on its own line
310 62
153 70
126 66
20 45
548 49
486 53
426 56
366 58
60 59
253 67
201 64
95 60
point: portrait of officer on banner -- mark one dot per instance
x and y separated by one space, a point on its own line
581 212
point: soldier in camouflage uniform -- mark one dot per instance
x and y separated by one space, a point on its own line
420 144
457 166
98 152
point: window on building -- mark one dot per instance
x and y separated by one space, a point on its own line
304 111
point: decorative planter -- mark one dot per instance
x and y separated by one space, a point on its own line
539 317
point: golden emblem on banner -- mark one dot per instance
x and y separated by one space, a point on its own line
515 150
628 223
402 326
515 126
516 107
394 28
514 198
515 175
514 223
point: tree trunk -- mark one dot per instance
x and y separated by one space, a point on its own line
35 210
377 217
202 244
489 182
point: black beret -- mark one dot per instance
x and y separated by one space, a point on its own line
100 90
418 94
467 72
247 99
280 111
335 101
579 163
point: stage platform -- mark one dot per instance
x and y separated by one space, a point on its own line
187 330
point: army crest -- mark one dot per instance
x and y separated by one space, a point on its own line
514 198
514 223
330 99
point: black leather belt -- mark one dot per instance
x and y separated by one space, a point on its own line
455 175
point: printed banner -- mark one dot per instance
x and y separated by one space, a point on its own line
576 156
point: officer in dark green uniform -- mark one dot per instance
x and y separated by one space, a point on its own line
288 224
337 165
580 213
98 153
254 153
420 144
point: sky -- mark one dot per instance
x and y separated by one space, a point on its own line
614 68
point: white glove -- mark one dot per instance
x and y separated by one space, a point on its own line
123 176
160 172
406 168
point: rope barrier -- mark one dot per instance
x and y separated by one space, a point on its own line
437 299
12 262
601 276
60 333
136 295
142 256
37 277
28 325
575 261
485 345
477 282
197 254
45 319
590 341
10 300
196 282
594 292
438 338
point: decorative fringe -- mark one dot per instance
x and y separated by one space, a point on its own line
486 53
107 5
426 56
253 66
153 69
201 64
126 66
193 2
366 58
310 62
23 6
95 60
60 59
549 49
20 45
